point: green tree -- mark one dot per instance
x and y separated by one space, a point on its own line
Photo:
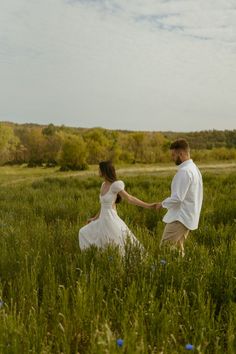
73 153
223 153
138 146
8 144
124 141
98 145
114 148
53 144
35 143
159 146
50 130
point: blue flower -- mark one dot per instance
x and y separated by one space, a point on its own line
1 304
189 347
120 342
163 261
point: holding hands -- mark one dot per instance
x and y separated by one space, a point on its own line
151 205
156 206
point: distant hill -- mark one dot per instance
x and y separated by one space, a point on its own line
76 147
205 139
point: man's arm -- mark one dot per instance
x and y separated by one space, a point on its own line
180 186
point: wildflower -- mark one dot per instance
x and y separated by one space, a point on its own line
163 261
1 304
189 347
110 258
120 342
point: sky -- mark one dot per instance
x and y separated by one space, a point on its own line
153 65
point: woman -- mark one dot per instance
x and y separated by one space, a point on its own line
107 227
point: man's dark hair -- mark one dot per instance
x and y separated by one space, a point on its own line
180 144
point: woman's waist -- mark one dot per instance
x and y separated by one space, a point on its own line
108 206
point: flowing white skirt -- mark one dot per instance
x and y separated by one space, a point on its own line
109 228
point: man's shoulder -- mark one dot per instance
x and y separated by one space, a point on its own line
183 173
189 169
191 166
193 171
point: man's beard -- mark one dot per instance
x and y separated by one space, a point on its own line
178 161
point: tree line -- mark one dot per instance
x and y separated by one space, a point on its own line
76 148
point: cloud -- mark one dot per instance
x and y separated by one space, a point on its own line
111 7
211 20
159 22
120 64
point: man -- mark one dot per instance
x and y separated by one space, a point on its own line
184 204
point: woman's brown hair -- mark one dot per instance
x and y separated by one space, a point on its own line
109 173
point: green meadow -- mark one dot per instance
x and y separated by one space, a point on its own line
55 299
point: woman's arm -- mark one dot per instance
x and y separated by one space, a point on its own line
133 200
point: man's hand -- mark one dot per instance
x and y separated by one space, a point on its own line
152 205
158 206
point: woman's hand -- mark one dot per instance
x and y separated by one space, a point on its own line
91 219
94 218
152 205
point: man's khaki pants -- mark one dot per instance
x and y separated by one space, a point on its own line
175 233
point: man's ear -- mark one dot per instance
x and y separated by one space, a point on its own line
181 154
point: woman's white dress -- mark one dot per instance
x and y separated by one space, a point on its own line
109 228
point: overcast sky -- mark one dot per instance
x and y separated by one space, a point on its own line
119 64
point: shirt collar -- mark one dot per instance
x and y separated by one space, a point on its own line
185 163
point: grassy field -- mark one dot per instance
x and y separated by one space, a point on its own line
22 174
55 299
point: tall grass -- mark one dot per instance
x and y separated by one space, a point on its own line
56 299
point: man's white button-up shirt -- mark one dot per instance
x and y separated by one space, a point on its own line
185 202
